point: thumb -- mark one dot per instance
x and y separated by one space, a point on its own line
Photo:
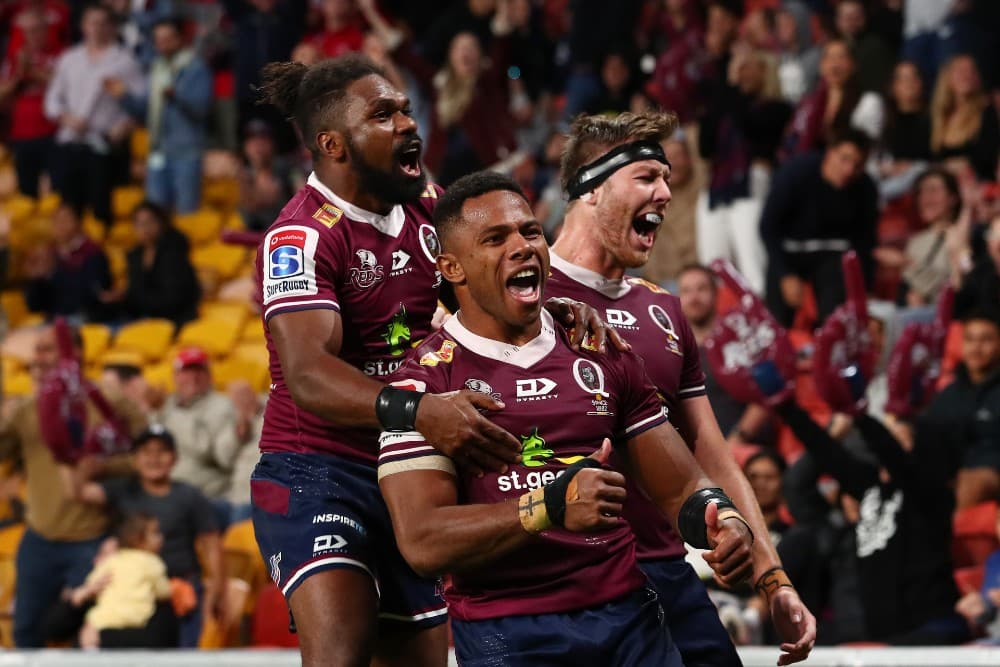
712 519
602 453
479 400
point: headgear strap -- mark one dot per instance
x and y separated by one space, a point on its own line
591 175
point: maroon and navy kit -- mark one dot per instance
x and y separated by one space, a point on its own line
315 491
561 403
650 319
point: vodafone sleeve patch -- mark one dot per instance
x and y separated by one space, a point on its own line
289 269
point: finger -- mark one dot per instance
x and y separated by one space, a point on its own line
579 332
724 548
740 573
620 344
854 284
712 520
479 400
614 494
613 478
610 509
602 453
506 444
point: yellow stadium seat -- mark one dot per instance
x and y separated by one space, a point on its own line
242 557
222 260
225 310
96 338
10 539
11 365
124 199
160 375
253 331
201 227
150 338
14 306
117 262
215 336
94 228
253 350
222 193
235 368
122 234
18 384
48 204
19 208
234 221
139 143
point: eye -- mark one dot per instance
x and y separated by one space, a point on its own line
407 110
532 232
383 114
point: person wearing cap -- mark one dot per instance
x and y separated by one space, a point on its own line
617 177
62 535
187 519
203 422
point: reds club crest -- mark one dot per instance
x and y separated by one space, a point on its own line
370 271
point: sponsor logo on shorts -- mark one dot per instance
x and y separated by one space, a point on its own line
324 543
368 272
341 519
275 562
444 355
662 320
535 389
290 263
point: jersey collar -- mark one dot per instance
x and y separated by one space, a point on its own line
391 224
522 356
612 288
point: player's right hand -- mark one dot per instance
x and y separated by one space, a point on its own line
595 496
453 424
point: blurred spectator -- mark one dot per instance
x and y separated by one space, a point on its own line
340 33
175 108
264 31
906 140
967 412
91 122
24 76
675 246
265 185
131 592
469 16
665 22
121 376
980 607
161 279
963 121
67 277
618 85
62 535
837 102
925 261
980 286
739 134
136 21
249 424
798 58
741 423
550 204
868 47
692 65
820 205
55 16
935 31
185 516
203 422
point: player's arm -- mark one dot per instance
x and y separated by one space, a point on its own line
436 535
308 344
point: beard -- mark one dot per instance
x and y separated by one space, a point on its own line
392 187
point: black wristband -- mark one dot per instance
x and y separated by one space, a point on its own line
691 520
396 409
555 491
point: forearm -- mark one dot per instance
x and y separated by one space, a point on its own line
333 389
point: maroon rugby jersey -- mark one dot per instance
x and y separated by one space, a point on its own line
377 271
650 319
561 404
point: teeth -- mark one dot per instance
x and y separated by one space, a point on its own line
527 273
653 218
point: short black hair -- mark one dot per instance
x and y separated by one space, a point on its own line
768 454
161 214
449 207
850 135
155 432
131 532
175 22
124 372
950 184
982 314
309 95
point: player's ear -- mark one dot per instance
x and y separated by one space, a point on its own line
331 144
451 270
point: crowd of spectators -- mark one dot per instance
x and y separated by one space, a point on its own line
808 128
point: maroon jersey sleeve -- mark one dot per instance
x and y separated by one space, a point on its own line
692 378
409 450
639 405
299 268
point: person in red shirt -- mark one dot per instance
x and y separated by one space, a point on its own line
341 32
23 77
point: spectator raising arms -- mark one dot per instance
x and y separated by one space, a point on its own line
963 122
68 276
175 109
161 279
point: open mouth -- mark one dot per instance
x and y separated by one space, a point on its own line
524 284
409 160
645 227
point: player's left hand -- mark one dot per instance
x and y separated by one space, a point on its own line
795 625
572 314
730 557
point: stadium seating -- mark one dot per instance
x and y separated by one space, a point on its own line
201 227
975 535
222 261
969 579
216 336
269 622
96 339
124 199
150 337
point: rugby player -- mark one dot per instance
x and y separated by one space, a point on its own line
541 568
348 283
617 178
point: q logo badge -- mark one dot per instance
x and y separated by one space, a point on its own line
662 320
590 377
